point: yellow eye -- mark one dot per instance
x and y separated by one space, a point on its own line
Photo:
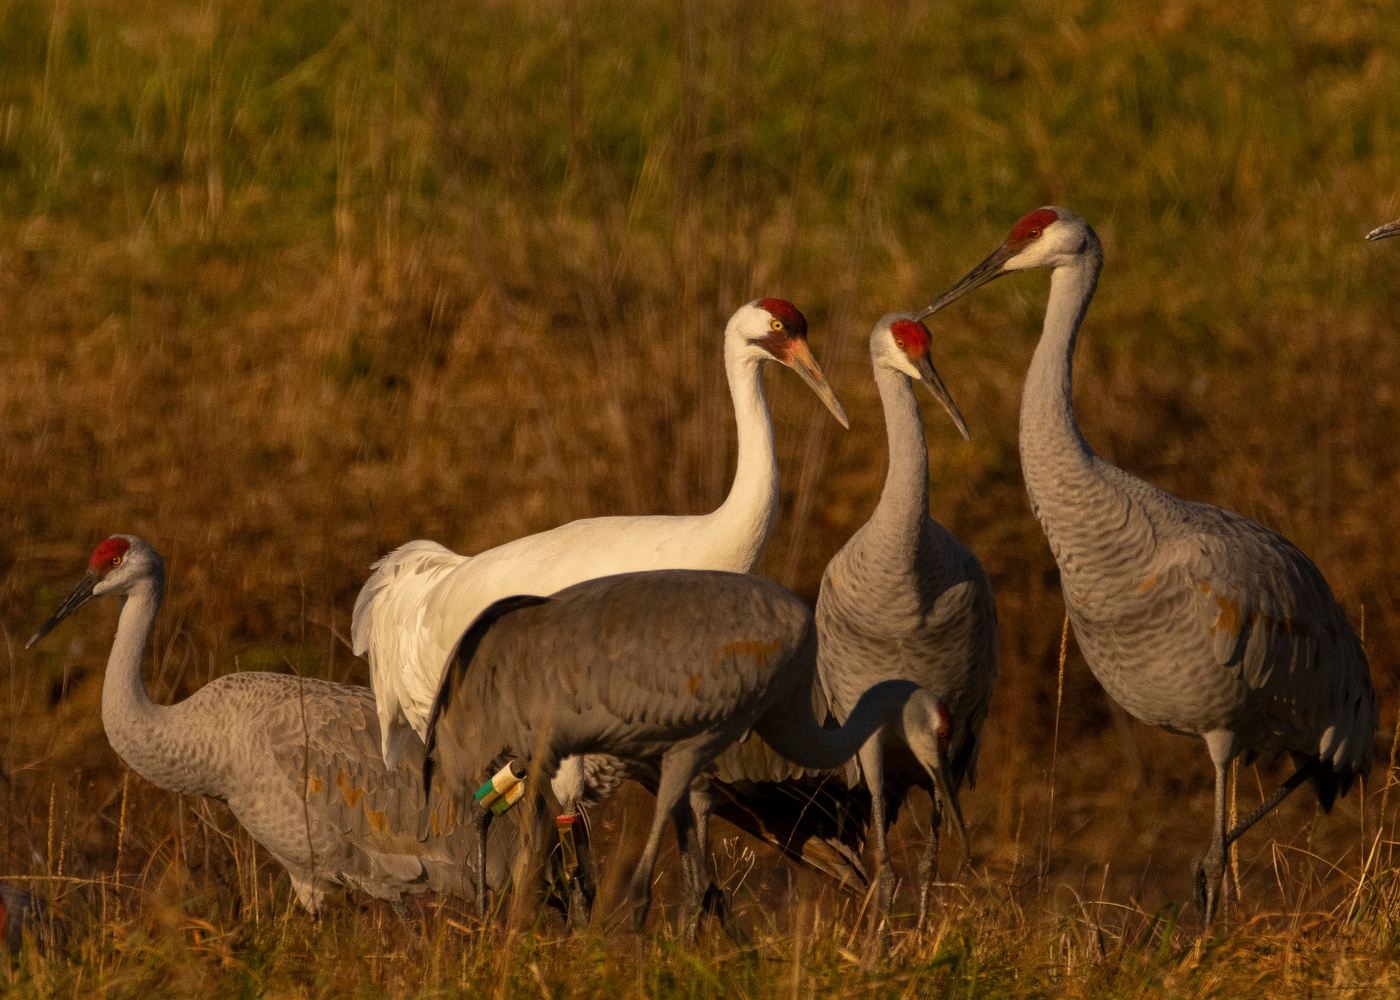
117 560
776 325
1034 234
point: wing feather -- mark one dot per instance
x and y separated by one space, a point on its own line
1271 615
390 626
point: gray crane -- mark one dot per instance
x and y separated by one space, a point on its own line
663 669
1192 617
297 760
1385 232
905 599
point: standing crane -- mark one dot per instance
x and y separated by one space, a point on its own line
421 597
1385 232
297 760
905 599
1192 617
663 670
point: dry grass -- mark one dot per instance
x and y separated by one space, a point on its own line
283 285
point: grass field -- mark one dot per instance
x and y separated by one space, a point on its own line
284 285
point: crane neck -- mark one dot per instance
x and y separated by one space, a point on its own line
1082 509
903 505
157 741
791 728
1048 423
746 517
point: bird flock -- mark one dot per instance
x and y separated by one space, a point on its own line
533 679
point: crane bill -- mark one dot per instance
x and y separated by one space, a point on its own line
1385 232
81 594
810 372
989 270
950 802
936 385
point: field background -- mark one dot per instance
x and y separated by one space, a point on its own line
283 285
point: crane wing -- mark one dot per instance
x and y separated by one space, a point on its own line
1270 614
324 738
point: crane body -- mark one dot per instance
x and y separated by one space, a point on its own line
296 759
1192 617
903 598
664 670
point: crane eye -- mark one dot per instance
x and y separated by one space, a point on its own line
1034 234
776 325
899 342
117 561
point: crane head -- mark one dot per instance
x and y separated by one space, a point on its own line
1385 232
774 330
115 566
901 342
1048 237
926 715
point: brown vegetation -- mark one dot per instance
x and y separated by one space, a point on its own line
284 285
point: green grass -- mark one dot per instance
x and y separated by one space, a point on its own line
284 285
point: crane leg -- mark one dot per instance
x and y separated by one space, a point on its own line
872 766
1210 871
713 901
678 769
586 888
575 886
481 824
692 868
1299 776
928 864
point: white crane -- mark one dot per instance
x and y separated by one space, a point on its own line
421 597
296 759
1192 617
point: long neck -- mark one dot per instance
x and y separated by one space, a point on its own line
1078 505
1051 441
746 517
790 727
903 505
155 740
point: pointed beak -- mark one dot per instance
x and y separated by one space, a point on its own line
806 366
950 803
81 594
989 270
935 384
1385 232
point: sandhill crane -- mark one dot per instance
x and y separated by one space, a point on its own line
297 760
905 599
1385 232
1192 617
664 670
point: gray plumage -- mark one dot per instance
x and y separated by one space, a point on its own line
663 670
1192 617
297 760
905 599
